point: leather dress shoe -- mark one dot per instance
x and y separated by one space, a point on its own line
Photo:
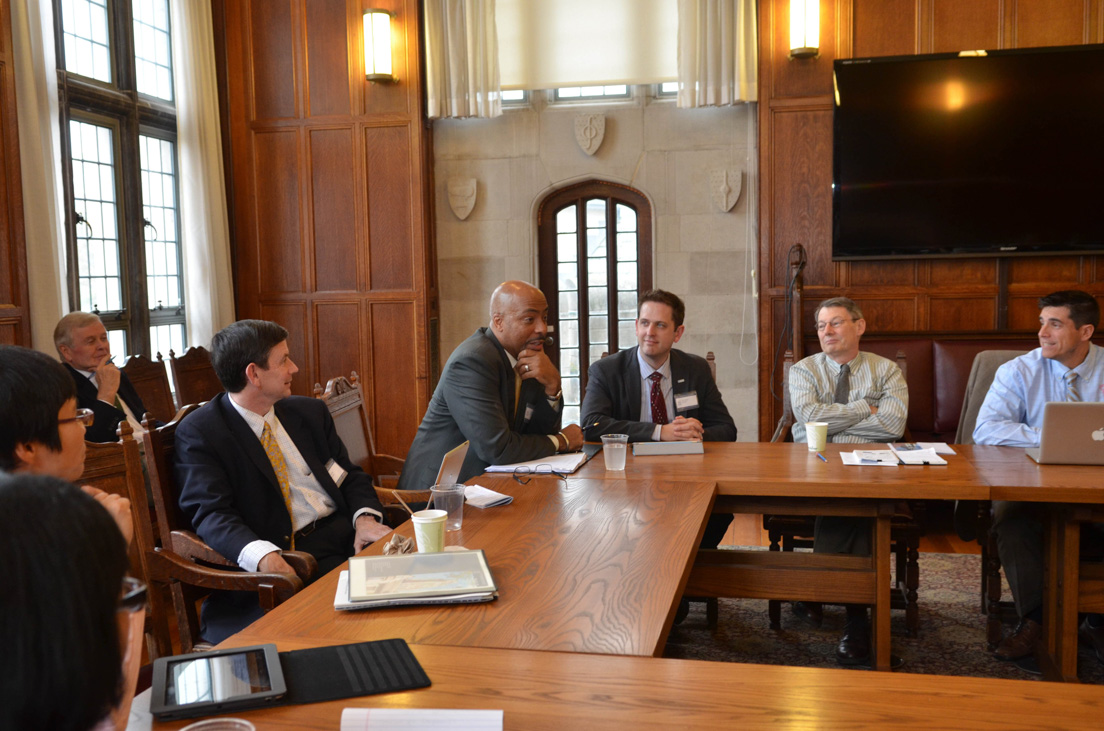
811 613
1021 642
854 645
1093 637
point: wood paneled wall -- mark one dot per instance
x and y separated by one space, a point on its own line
971 297
328 182
15 319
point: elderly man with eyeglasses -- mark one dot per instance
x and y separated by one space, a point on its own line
863 398
41 428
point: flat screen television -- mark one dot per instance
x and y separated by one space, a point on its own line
996 153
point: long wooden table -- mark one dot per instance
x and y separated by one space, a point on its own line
554 690
591 566
788 479
1070 495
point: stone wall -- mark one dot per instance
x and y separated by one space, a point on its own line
702 254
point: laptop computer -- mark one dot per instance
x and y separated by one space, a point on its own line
451 465
1072 433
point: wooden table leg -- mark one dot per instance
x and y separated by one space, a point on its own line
880 610
1057 652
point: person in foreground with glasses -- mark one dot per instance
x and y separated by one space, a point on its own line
70 622
42 430
863 397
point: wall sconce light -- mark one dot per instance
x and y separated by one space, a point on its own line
377 45
804 28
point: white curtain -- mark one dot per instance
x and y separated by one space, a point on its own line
553 43
717 52
462 59
204 234
40 162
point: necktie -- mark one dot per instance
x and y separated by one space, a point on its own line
1072 394
843 384
279 466
659 406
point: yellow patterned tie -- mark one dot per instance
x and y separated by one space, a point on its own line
1072 393
279 466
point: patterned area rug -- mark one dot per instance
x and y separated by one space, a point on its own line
951 641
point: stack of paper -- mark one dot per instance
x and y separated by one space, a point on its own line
565 464
480 497
450 577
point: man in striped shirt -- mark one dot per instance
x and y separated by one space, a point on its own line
863 398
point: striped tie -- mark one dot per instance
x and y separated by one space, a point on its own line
279 466
1072 394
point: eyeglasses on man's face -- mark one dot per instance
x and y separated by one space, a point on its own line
134 595
523 474
835 324
84 416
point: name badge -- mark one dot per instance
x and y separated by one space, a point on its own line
687 401
528 413
337 472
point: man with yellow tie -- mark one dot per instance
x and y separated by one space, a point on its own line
262 471
499 391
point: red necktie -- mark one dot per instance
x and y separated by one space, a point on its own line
659 406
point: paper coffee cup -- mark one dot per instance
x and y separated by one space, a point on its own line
429 530
816 434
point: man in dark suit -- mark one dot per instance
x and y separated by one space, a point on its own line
81 341
655 393
262 471
499 391
617 403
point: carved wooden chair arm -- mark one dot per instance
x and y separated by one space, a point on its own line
305 565
189 546
271 588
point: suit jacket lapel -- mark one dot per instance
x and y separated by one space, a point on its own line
249 442
506 390
680 376
634 387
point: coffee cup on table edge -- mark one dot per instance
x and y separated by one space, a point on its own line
429 530
816 434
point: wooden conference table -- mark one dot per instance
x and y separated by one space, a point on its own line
788 479
1073 494
593 566
559 690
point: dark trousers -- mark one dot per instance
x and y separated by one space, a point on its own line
715 529
227 612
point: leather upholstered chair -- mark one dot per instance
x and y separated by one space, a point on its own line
345 401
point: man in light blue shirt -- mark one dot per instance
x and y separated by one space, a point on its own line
1065 367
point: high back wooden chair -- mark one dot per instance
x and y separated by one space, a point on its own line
345 402
116 467
194 376
183 569
151 381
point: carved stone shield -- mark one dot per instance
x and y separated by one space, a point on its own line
589 131
725 186
461 192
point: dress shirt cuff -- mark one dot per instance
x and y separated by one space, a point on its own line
657 433
555 403
253 552
369 511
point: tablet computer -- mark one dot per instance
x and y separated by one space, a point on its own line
204 683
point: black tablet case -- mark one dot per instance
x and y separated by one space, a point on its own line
347 671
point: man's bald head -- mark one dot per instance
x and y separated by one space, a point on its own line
519 316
